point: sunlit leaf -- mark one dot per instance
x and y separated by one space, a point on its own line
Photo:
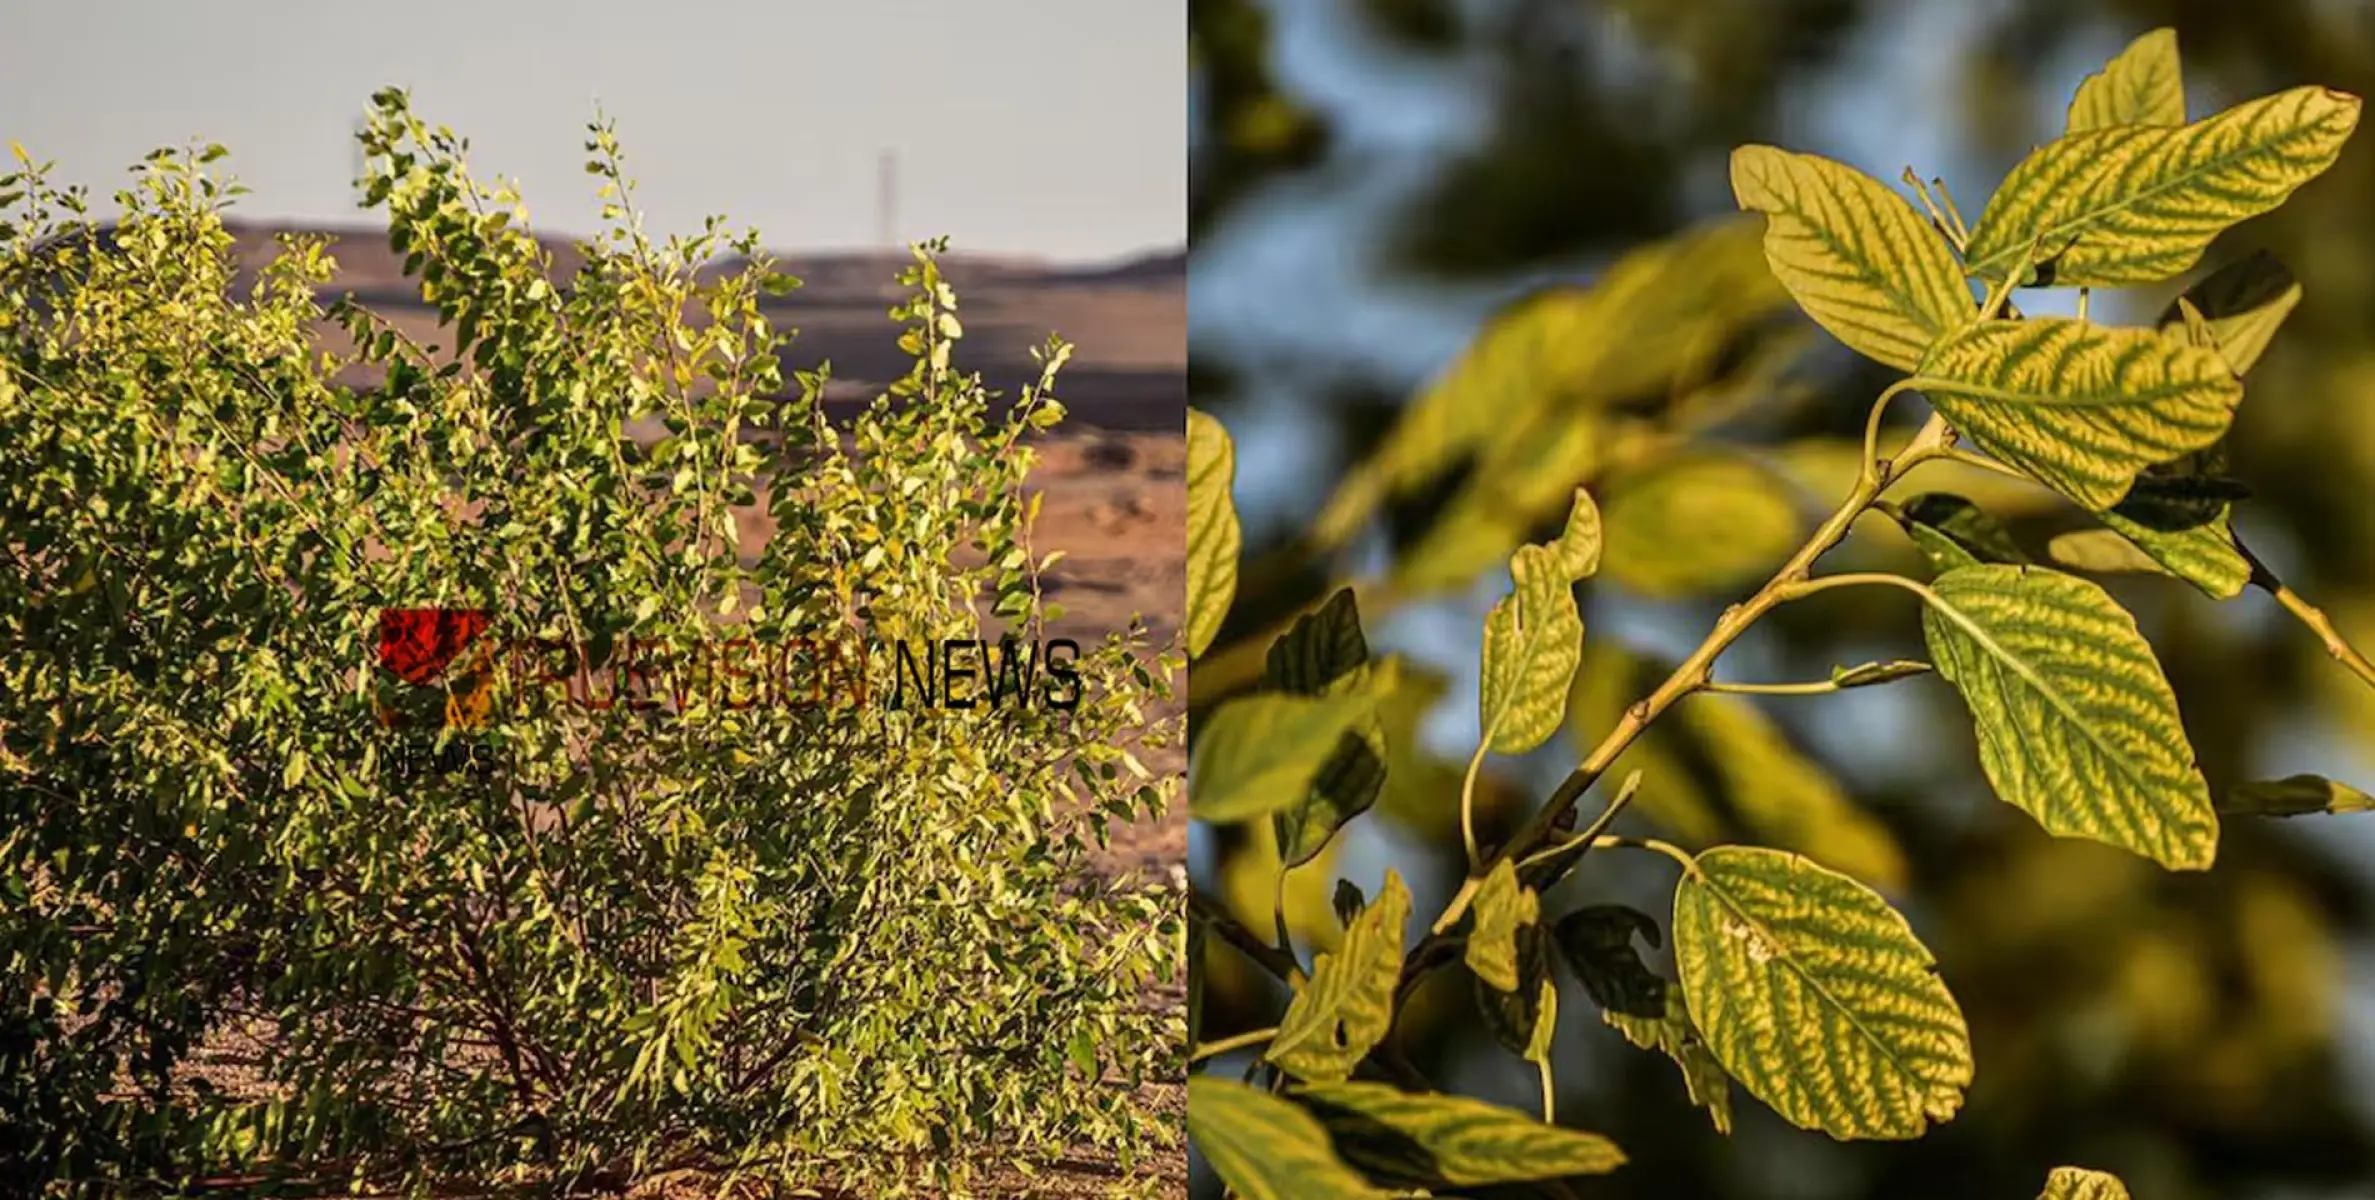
2293 796
1431 1138
1546 1021
2142 85
1698 523
1213 536
1258 754
2076 725
2082 407
2138 203
1514 1016
1854 253
1816 996
1266 1148
1502 906
2078 1183
1348 1003
1533 639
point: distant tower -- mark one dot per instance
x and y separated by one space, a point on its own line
886 202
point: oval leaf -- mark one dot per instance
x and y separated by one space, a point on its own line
1428 1139
2141 86
2139 203
1699 523
1533 639
1348 1004
2084 408
1853 253
1265 1148
1816 996
1856 256
1213 536
1259 754
2076 725
2078 1183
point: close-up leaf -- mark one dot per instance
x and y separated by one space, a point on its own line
1213 536
1347 1005
1816 995
1258 754
2083 408
1533 639
1435 1139
1266 1148
1503 906
2075 722
2138 203
1853 253
2142 85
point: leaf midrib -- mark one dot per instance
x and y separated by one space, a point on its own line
2053 696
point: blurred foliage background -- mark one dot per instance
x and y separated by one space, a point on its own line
1372 181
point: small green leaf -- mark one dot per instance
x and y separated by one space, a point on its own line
294 773
2143 85
2076 725
2081 407
1578 547
1871 673
1816 996
1546 1021
1854 253
2078 1183
1259 753
1502 907
1213 536
1533 639
1434 1139
1953 532
1265 1148
1348 1003
2293 796
1697 523
2138 203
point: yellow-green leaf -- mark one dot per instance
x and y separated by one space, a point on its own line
1697 523
2243 303
1348 1003
1258 754
1265 1148
2295 795
1514 1017
2076 725
1502 907
1546 1021
1578 547
2078 1183
2103 552
2139 203
1213 536
1673 1034
1816 996
1855 255
1434 1139
2143 85
2083 408
1321 647
1533 639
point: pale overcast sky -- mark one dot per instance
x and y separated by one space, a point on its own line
1036 127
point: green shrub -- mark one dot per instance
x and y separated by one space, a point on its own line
550 943
1796 980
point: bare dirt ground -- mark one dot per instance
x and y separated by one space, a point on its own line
1114 478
